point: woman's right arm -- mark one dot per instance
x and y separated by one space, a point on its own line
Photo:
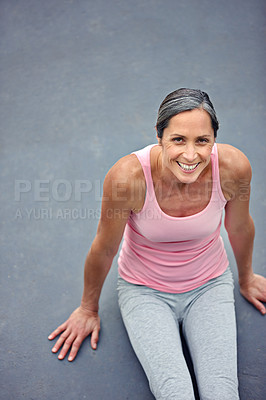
117 202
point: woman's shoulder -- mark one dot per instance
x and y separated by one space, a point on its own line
126 169
233 162
235 169
125 179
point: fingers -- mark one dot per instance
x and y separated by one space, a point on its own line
65 348
74 349
95 338
73 342
57 331
256 293
68 339
63 338
258 305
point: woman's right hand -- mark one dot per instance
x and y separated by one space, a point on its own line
79 325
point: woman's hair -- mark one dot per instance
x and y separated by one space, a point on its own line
184 100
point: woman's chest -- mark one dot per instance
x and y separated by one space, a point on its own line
183 201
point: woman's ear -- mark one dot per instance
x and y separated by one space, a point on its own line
159 139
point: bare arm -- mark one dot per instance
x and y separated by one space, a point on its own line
118 201
114 215
241 232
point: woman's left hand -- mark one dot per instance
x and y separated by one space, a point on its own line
255 291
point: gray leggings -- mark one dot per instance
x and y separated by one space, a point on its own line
207 315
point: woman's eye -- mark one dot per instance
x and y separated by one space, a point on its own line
178 140
199 140
203 140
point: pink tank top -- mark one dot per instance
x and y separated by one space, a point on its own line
173 254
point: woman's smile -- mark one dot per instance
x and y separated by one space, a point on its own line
188 168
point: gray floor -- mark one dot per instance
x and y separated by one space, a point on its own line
81 82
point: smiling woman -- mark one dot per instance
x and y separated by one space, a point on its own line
173 267
186 145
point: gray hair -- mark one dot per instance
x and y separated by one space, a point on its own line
184 100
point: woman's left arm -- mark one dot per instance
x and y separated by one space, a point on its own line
241 232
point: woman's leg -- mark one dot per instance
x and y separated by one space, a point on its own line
210 331
154 335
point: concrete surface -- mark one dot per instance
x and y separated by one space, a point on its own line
81 82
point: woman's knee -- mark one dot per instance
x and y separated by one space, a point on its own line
221 388
172 388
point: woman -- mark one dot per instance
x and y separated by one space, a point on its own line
167 200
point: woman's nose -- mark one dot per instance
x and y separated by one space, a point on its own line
190 153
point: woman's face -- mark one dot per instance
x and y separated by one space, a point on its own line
187 144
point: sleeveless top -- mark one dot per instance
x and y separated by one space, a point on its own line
173 254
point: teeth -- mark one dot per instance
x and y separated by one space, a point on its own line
187 167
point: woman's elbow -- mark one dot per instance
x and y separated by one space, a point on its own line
240 227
